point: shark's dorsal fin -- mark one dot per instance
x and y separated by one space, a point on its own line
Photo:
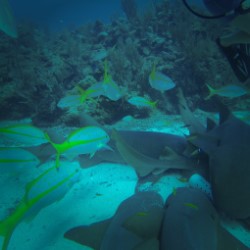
210 124
194 124
91 235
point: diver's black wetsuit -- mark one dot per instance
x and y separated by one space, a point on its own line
238 55
221 6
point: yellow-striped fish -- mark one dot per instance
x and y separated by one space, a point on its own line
14 160
24 135
160 81
142 102
49 187
107 87
86 140
229 91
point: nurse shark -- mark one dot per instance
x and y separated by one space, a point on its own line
227 146
149 153
143 222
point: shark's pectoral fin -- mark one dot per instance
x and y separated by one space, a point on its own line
142 172
204 141
146 225
158 172
91 235
168 154
227 241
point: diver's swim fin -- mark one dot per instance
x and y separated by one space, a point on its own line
238 59
245 48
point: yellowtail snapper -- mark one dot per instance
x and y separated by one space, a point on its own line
108 87
74 101
14 160
49 187
24 135
160 81
85 140
229 91
142 102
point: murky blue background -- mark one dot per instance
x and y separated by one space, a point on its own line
57 14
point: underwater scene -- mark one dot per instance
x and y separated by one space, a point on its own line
124 125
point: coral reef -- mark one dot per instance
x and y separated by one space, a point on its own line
38 68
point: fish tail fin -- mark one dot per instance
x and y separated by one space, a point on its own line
83 93
6 232
107 77
154 104
211 92
56 147
152 74
80 89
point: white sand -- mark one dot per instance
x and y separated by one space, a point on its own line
100 191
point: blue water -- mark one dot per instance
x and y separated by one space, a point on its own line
57 14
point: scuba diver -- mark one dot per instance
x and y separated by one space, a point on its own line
235 46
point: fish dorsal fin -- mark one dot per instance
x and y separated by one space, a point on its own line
107 77
147 225
153 72
210 124
91 235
